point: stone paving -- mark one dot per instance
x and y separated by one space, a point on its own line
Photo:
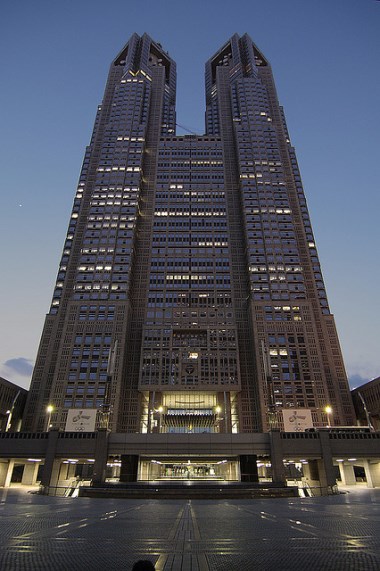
333 533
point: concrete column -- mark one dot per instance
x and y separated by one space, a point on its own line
277 457
55 472
311 474
372 473
374 470
101 456
8 477
50 471
3 472
347 474
29 476
69 474
144 470
325 465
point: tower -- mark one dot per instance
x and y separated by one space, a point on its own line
191 260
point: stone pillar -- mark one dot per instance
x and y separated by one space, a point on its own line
311 474
51 466
325 464
347 474
277 457
375 473
29 476
9 472
3 472
144 470
372 472
101 456
68 471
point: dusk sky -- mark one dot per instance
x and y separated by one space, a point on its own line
55 57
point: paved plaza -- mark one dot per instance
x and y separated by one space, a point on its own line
332 533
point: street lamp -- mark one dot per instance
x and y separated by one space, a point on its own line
328 411
49 410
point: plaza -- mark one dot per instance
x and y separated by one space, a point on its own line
340 532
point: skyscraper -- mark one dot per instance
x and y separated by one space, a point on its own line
189 296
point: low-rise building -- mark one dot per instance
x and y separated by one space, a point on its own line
366 399
12 404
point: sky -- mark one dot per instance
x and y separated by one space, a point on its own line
54 60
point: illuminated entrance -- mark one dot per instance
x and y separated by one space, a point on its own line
185 468
179 412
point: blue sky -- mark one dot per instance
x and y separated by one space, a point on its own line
54 59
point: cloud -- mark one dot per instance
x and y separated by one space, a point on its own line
20 365
357 380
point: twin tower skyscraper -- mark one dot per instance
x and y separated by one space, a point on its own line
189 295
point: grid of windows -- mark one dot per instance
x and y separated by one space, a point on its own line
190 252
190 268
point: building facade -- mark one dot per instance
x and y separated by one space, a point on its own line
366 399
189 297
12 403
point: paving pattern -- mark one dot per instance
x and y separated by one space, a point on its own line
61 534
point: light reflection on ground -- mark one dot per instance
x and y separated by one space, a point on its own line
334 533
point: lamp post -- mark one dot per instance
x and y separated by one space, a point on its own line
328 411
49 410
